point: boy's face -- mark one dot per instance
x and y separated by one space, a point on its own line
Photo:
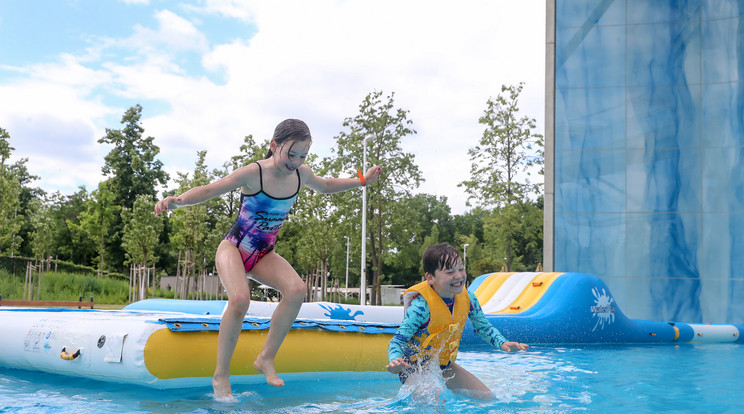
448 282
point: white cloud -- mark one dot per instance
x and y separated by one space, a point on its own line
310 60
142 2
237 9
174 34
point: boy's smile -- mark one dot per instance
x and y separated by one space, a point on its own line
448 282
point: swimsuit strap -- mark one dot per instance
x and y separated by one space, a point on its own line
260 178
299 182
260 175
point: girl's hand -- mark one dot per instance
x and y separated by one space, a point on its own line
398 364
168 203
513 346
372 174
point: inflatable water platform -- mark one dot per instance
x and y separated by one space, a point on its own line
165 343
564 308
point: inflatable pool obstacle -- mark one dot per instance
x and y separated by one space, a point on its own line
165 343
164 349
576 308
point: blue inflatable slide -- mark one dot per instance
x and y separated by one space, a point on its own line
575 308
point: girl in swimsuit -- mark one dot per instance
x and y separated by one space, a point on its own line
269 188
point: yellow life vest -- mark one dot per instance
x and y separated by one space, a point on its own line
445 327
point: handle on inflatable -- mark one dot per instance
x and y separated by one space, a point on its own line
69 357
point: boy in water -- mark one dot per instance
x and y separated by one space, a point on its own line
435 314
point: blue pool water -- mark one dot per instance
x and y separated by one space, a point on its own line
581 378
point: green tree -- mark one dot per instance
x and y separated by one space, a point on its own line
5 149
249 152
141 231
384 126
11 215
501 165
520 227
95 222
191 225
11 210
73 243
431 239
427 222
42 244
315 217
131 170
26 196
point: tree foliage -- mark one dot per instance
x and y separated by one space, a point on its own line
141 231
11 217
114 224
42 222
73 242
131 169
503 160
96 220
501 164
11 211
384 126
191 225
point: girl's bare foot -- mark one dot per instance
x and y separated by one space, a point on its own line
266 367
222 389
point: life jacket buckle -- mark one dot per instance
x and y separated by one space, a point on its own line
453 327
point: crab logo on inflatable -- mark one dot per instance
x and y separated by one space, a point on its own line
602 309
340 313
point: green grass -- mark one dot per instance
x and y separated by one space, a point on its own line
67 287
64 286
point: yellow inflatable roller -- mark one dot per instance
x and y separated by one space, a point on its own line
170 350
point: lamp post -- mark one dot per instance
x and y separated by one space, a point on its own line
363 283
346 291
465 258
12 241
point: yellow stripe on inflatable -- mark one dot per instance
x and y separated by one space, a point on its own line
490 286
193 354
531 293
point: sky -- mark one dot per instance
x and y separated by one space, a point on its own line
209 72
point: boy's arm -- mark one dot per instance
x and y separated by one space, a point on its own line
481 324
416 315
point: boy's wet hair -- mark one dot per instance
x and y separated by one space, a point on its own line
440 256
290 130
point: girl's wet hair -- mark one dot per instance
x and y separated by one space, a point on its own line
290 130
440 256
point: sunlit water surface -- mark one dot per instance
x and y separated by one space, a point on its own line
618 378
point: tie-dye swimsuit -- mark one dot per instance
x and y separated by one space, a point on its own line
261 216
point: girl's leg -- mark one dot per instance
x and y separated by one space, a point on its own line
232 274
274 271
462 382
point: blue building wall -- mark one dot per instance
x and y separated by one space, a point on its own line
649 153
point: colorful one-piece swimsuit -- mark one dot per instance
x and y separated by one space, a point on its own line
261 216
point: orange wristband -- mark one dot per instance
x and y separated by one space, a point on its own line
361 177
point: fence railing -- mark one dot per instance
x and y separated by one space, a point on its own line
48 303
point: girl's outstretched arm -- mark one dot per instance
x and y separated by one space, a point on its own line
336 185
196 195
